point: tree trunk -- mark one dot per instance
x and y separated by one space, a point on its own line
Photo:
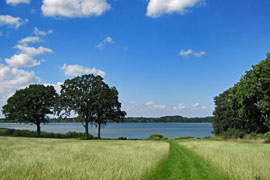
99 130
86 130
38 129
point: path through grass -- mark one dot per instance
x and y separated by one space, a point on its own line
182 164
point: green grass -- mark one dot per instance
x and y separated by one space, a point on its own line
36 158
182 164
244 161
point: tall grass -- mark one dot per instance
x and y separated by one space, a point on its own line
245 161
33 158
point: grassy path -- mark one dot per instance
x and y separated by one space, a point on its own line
182 164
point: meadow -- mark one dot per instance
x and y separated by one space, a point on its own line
36 158
239 160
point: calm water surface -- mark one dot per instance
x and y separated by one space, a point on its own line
129 130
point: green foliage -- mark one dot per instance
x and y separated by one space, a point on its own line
27 133
91 99
246 106
267 137
157 137
233 133
31 105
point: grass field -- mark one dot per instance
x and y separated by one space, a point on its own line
245 161
33 158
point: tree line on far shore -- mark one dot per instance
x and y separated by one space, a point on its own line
87 96
245 107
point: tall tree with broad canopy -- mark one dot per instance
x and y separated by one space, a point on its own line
91 99
31 105
106 106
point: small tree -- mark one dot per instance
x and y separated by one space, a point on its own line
31 105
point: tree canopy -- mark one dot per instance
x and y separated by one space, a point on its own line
31 105
90 98
246 105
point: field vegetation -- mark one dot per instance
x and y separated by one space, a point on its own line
244 161
37 158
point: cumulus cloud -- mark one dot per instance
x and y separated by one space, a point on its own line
76 70
25 58
149 103
157 8
74 8
159 106
38 32
199 54
29 39
185 53
107 40
56 86
191 52
179 107
195 105
15 2
6 20
12 79
204 108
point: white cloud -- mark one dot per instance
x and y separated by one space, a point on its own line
107 40
132 102
12 21
185 53
179 107
15 2
74 8
157 8
56 86
12 79
76 70
100 45
149 103
26 56
38 32
159 106
30 39
191 52
199 54
195 105
204 108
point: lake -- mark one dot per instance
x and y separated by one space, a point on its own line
128 130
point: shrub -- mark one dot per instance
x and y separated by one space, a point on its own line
267 137
27 133
233 133
157 137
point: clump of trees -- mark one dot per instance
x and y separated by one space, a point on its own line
91 99
87 96
245 106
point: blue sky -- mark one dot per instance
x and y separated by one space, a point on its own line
165 57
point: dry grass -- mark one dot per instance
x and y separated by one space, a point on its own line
245 161
32 158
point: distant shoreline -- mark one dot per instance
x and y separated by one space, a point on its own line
164 119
